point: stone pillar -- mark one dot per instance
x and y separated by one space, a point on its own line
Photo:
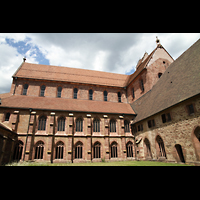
123 138
50 148
70 137
106 133
3 148
12 150
14 120
29 142
89 137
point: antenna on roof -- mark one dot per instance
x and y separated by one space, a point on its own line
24 59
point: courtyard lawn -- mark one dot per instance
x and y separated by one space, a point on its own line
118 163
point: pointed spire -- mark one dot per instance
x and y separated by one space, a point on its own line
24 59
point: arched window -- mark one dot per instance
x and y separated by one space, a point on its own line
160 142
75 93
126 126
96 125
61 124
7 116
79 125
114 150
42 123
39 150
42 90
59 150
112 125
129 149
90 94
105 94
97 150
79 150
119 97
18 151
147 148
59 91
25 89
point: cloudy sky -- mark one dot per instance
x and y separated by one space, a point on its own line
110 52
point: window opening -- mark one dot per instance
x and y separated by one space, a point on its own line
25 89
59 91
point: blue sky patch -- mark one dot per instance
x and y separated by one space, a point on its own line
23 47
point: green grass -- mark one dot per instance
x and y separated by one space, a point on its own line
117 163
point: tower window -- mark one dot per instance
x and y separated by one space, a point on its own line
119 97
59 91
90 94
25 89
42 90
75 93
105 94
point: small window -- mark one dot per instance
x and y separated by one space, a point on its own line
166 117
159 75
97 150
126 126
119 97
133 93
75 93
96 125
112 125
151 123
59 91
61 124
140 127
114 150
190 109
90 94
42 123
25 89
7 117
129 149
79 151
105 94
59 150
39 149
42 90
79 125
142 85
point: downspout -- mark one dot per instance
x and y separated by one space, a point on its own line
30 109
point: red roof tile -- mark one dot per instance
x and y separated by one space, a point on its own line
48 103
49 72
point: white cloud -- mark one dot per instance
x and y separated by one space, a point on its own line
111 52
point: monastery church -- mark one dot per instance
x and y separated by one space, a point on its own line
62 114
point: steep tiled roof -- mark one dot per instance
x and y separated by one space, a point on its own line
180 81
49 72
49 103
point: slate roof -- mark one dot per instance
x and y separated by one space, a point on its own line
62 104
180 81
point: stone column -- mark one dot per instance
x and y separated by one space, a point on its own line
123 138
70 137
29 143
3 148
89 137
50 148
106 133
